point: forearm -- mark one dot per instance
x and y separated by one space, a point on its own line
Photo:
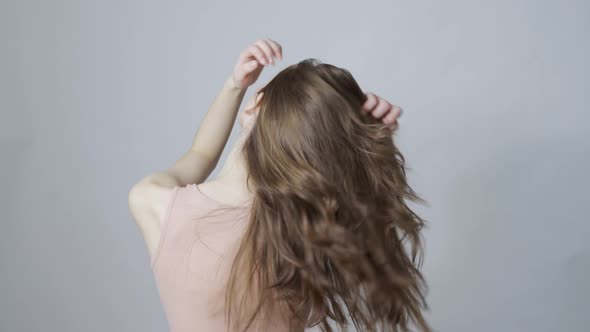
195 165
215 128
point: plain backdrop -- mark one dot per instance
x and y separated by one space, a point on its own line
97 94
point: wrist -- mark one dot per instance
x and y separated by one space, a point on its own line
231 84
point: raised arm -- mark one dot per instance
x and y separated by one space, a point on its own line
149 198
195 165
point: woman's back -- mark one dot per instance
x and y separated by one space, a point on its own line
328 233
193 258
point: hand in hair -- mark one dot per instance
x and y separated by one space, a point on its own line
252 60
382 109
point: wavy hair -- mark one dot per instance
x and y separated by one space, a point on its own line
330 235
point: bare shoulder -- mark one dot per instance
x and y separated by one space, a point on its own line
148 202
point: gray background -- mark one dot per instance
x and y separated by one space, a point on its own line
96 95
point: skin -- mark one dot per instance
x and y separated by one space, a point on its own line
149 197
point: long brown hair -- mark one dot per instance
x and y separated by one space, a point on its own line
330 234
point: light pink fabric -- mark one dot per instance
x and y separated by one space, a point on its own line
197 246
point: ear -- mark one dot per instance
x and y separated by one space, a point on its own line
254 107
258 98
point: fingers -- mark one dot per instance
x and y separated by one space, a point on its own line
250 66
252 60
394 126
264 51
277 48
267 49
391 117
370 103
382 109
257 52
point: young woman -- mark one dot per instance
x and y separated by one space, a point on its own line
307 221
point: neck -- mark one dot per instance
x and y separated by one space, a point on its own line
234 169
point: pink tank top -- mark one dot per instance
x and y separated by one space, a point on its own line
191 263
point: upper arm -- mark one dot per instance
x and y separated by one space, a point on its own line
148 199
191 167
148 202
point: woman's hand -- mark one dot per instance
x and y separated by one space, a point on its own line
382 109
252 60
